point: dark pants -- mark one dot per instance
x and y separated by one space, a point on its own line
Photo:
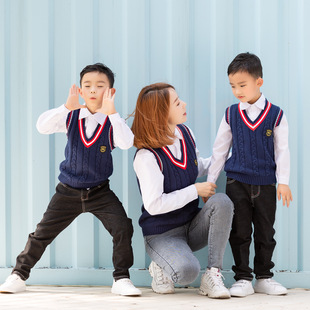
254 204
64 207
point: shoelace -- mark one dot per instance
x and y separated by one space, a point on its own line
216 279
162 279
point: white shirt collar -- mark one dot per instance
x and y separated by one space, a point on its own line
260 103
99 117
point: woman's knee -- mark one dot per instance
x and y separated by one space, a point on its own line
222 202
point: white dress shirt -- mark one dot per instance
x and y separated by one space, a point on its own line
151 180
54 120
223 143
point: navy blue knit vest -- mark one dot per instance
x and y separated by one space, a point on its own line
88 162
252 159
178 174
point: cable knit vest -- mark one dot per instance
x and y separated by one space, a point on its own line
88 162
252 159
178 174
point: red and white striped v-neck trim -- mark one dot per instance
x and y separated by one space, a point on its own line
179 164
96 136
259 121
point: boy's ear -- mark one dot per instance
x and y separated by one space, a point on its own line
80 91
260 82
113 90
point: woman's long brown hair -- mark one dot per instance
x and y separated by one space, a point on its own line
150 124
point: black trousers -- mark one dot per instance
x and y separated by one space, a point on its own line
64 207
255 206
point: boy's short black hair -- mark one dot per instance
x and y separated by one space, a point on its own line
246 62
98 67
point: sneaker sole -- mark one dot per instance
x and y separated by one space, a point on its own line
225 296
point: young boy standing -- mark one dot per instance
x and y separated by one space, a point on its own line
93 131
257 132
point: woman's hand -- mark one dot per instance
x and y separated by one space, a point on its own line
205 189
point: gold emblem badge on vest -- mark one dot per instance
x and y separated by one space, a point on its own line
268 132
103 148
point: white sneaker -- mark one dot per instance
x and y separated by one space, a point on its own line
125 287
269 287
212 284
13 284
241 288
161 284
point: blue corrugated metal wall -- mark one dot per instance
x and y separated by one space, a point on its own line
188 43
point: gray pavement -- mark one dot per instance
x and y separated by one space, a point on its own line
100 297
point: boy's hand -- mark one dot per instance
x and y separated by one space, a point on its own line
205 189
107 106
73 99
284 191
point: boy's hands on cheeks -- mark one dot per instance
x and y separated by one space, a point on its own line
73 99
107 106
205 190
284 191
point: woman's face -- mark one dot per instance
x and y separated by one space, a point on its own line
177 111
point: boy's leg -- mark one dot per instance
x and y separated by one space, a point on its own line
263 219
240 236
63 208
173 255
104 204
212 226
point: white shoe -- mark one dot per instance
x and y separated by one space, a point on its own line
13 284
269 287
241 288
125 287
161 284
212 284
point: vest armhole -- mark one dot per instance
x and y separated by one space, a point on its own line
159 161
227 116
69 118
279 118
111 141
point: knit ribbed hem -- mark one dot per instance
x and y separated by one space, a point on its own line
254 180
79 185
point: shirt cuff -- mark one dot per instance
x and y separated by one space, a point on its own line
211 179
192 192
63 109
114 118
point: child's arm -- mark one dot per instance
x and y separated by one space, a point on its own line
282 159
221 149
122 134
54 120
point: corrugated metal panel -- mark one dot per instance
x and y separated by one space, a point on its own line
188 43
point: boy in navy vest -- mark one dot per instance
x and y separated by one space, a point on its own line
93 130
257 132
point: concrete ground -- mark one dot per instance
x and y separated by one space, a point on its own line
100 297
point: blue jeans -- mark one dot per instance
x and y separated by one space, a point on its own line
173 250
254 205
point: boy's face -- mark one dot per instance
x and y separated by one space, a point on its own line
93 85
245 87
